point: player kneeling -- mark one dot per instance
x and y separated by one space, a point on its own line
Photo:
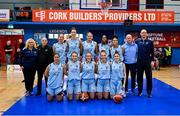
103 81
74 80
117 74
88 78
55 74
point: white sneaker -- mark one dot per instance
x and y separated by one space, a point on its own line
124 95
27 93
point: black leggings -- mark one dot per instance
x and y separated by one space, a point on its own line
132 69
40 71
29 75
144 67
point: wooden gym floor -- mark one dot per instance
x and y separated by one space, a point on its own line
12 89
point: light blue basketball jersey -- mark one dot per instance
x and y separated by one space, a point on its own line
88 70
89 47
119 50
61 50
73 46
104 47
55 78
117 71
103 71
74 70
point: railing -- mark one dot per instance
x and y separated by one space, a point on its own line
17 8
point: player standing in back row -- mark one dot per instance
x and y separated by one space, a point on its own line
90 46
74 45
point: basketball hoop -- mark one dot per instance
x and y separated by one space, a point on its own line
105 6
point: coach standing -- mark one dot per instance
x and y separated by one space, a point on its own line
145 57
45 57
130 60
28 64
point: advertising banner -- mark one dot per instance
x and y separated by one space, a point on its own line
113 16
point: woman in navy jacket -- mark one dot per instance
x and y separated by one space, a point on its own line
28 64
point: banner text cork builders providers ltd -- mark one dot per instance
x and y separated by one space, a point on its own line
97 16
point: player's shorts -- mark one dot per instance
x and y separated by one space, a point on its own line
103 85
88 85
74 86
53 92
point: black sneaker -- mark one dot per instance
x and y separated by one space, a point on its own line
140 94
149 96
133 92
38 93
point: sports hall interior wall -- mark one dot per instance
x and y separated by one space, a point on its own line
120 31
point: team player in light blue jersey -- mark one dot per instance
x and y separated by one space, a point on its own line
90 46
115 48
74 45
60 48
104 46
103 81
55 74
118 72
88 76
74 80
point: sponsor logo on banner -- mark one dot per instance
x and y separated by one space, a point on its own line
97 16
156 36
14 70
160 39
41 15
12 31
4 15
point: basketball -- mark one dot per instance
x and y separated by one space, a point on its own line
118 98
84 97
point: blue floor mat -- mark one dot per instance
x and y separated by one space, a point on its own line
165 101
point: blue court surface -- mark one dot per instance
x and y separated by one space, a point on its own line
165 101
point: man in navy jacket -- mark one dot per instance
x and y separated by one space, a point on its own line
145 58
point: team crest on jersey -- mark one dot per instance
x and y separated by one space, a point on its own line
86 67
106 67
